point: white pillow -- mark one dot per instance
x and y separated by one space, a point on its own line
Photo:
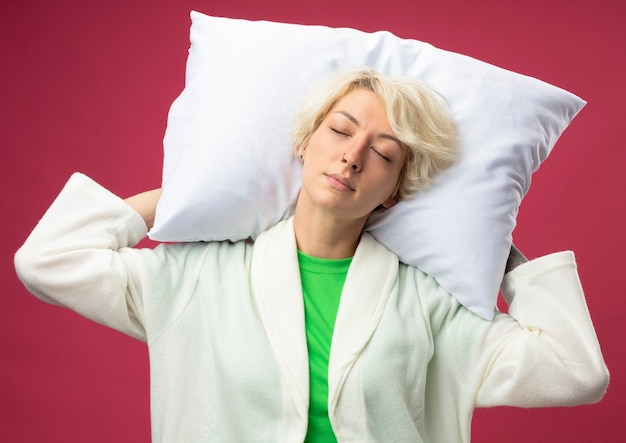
229 173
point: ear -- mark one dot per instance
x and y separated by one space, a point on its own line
391 201
301 152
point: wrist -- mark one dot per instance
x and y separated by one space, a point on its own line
145 205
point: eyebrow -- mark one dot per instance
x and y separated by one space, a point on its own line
356 122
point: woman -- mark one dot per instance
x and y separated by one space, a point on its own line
240 335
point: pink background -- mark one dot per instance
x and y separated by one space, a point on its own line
86 85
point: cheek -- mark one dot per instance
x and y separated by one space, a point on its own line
390 186
398 177
309 168
320 152
318 144
391 179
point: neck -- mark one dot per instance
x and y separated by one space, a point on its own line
324 236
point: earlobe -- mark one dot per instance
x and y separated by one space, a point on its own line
301 153
391 201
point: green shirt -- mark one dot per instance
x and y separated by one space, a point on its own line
322 283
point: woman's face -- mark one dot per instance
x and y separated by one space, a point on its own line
352 161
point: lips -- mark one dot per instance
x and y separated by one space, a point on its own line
340 182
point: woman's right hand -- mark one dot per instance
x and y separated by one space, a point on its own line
145 204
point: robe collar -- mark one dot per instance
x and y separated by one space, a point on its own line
277 291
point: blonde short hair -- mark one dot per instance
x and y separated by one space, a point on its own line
418 115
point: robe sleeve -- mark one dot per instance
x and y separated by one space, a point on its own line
545 351
78 256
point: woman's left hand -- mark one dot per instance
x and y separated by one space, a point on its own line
515 259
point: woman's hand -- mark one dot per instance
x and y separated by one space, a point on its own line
515 259
145 204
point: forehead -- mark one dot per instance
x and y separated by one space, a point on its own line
360 98
362 107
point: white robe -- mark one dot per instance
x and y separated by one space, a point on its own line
224 324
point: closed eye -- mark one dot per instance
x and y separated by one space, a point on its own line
381 155
337 131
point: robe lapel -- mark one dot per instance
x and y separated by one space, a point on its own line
370 280
278 293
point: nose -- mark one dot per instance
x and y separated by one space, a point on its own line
353 158
355 165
